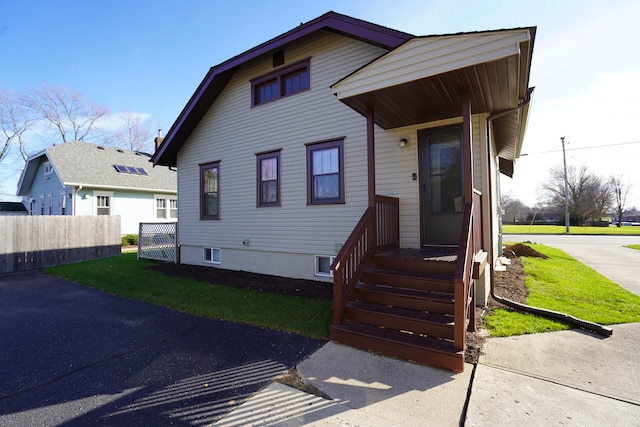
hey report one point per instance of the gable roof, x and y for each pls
(218, 76)
(493, 66)
(90, 165)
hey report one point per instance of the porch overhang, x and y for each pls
(423, 80)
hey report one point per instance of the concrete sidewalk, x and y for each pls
(568, 378)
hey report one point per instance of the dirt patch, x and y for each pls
(293, 379)
(246, 280)
(508, 284)
(520, 249)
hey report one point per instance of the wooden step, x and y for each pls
(433, 302)
(411, 280)
(433, 325)
(407, 346)
(438, 260)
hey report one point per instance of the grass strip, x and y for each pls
(126, 276)
(560, 229)
(563, 284)
(633, 247)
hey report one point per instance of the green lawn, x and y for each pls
(126, 276)
(633, 247)
(560, 229)
(563, 284)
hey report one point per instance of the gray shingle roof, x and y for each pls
(81, 163)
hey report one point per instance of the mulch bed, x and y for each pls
(246, 280)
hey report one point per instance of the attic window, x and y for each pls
(130, 170)
(286, 81)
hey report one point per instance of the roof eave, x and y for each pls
(219, 75)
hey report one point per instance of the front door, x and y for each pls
(441, 185)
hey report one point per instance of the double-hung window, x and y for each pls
(173, 208)
(325, 172)
(210, 191)
(103, 204)
(166, 208)
(161, 208)
(268, 179)
(283, 82)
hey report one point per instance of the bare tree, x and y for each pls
(620, 189)
(69, 112)
(136, 133)
(513, 209)
(589, 196)
(14, 122)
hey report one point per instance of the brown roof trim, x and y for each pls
(218, 76)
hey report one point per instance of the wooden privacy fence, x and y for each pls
(33, 242)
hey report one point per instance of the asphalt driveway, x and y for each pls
(71, 355)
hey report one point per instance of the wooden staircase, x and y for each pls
(403, 306)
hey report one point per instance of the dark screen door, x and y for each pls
(442, 199)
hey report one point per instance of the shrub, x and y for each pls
(130, 240)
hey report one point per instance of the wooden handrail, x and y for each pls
(377, 230)
(470, 243)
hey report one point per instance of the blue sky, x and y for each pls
(149, 57)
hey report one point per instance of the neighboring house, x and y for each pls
(12, 208)
(78, 178)
(346, 151)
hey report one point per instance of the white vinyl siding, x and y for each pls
(284, 240)
(287, 125)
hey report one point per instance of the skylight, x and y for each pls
(130, 170)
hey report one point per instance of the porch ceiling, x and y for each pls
(423, 80)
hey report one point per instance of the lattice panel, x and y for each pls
(158, 241)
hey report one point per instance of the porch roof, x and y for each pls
(422, 81)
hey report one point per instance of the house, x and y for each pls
(78, 178)
(12, 208)
(354, 153)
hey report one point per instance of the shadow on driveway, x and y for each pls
(71, 355)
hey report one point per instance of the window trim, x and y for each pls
(203, 167)
(168, 198)
(263, 156)
(96, 195)
(278, 75)
(211, 261)
(317, 265)
(323, 145)
(63, 203)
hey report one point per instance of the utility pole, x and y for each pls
(566, 188)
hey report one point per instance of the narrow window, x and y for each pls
(295, 81)
(173, 208)
(325, 172)
(41, 205)
(63, 204)
(161, 208)
(265, 92)
(210, 191)
(103, 204)
(268, 188)
(211, 255)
